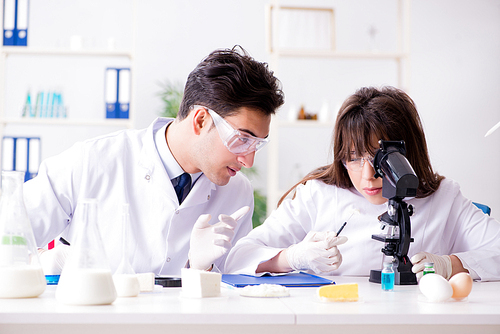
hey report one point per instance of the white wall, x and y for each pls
(455, 72)
(456, 84)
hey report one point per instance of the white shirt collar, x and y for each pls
(171, 165)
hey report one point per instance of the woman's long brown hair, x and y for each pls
(369, 115)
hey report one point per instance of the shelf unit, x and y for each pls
(12, 51)
(401, 59)
(85, 54)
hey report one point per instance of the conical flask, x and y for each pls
(86, 277)
(21, 274)
(125, 279)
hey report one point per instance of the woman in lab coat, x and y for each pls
(448, 229)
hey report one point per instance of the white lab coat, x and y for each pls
(125, 167)
(443, 223)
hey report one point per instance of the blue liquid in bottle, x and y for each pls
(387, 279)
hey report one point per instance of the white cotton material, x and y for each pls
(264, 290)
(200, 283)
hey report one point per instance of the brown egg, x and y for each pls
(461, 284)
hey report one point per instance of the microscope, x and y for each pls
(399, 181)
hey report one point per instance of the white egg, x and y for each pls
(435, 287)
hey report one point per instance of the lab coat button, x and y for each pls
(176, 212)
(208, 197)
(148, 177)
(168, 259)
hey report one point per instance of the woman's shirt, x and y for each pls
(444, 223)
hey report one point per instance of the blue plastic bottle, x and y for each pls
(387, 280)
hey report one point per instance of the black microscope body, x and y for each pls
(399, 182)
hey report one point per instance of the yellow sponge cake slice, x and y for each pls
(339, 292)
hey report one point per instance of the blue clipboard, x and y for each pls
(288, 280)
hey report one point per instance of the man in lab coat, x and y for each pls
(223, 120)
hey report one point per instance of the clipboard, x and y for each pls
(289, 280)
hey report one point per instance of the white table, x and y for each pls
(402, 310)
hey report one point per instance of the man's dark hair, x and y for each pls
(230, 79)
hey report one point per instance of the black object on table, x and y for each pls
(168, 282)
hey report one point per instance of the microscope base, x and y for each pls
(400, 278)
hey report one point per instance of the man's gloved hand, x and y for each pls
(210, 242)
(53, 260)
(442, 264)
(317, 252)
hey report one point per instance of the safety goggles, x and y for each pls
(237, 142)
(356, 164)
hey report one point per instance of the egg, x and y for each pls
(435, 287)
(461, 284)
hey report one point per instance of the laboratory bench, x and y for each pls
(166, 311)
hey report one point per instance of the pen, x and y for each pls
(355, 211)
(341, 228)
(63, 241)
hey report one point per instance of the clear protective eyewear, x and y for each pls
(357, 164)
(236, 141)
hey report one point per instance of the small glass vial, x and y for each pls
(387, 279)
(429, 268)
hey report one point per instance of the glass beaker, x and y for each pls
(86, 277)
(21, 274)
(125, 279)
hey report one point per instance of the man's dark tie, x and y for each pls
(183, 186)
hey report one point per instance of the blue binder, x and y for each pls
(22, 22)
(15, 22)
(288, 280)
(124, 92)
(21, 154)
(111, 94)
(117, 94)
(9, 22)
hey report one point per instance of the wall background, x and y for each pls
(455, 72)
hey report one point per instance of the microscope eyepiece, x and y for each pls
(390, 163)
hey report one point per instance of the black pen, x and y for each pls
(63, 241)
(341, 228)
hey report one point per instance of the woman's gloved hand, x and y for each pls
(442, 264)
(317, 252)
(210, 242)
(52, 261)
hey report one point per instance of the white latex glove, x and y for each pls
(442, 264)
(210, 242)
(317, 252)
(53, 260)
